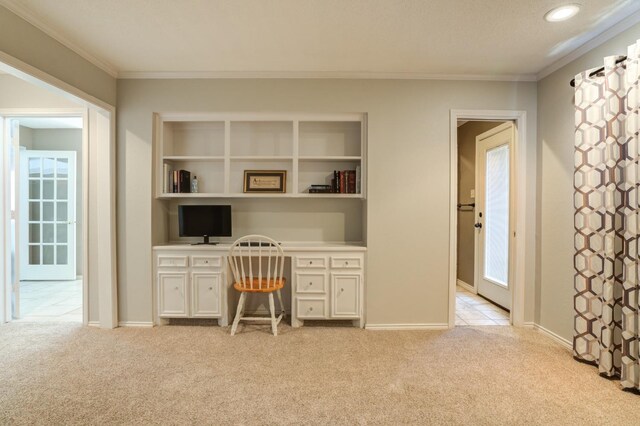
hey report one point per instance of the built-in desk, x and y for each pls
(326, 282)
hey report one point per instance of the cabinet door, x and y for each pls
(172, 289)
(345, 295)
(205, 294)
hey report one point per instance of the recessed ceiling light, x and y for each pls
(562, 13)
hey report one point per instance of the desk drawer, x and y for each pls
(346, 262)
(206, 261)
(172, 261)
(311, 282)
(312, 308)
(316, 262)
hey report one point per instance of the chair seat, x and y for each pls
(260, 286)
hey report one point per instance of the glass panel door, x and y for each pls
(49, 228)
(496, 250)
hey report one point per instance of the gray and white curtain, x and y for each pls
(607, 226)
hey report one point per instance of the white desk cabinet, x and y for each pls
(189, 284)
(327, 282)
(328, 285)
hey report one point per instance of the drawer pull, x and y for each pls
(176, 288)
(346, 263)
(210, 288)
(310, 282)
(311, 262)
(342, 289)
(311, 308)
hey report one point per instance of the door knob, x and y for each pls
(478, 225)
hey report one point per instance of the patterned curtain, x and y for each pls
(607, 228)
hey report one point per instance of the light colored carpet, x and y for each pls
(66, 374)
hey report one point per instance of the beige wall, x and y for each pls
(466, 182)
(554, 295)
(25, 42)
(15, 93)
(408, 200)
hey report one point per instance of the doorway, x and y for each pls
(483, 294)
(46, 217)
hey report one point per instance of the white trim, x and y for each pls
(520, 119)
(436, 326)
(33, 75)
(144, 324)
(528, 324)
(105, 174)
(362, 75)
(566, 344)
(466, 286)
(604, 36)
(25, 13)
(94, 324)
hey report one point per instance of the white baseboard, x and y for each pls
(443, 326)
(135, 324)
(93, 323)
(466, 286)
(529, 324)
(558, 339)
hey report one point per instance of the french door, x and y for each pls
(494, 218)
(48, 207)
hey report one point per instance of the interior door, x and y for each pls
(494, 216)
(47, 229)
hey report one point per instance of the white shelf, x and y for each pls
(308, 146)
(261, 158)
(191, 158)
(256, 195)
(330, 158)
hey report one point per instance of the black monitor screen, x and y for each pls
(200, 221)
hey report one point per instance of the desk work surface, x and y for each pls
(292, 246)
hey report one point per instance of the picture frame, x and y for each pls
(265, 181)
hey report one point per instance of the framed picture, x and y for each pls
(265, 181)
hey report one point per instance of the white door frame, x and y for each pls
(520, 185)
(102, 121)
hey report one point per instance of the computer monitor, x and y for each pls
(204, 221)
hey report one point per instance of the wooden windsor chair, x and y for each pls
(257, 264)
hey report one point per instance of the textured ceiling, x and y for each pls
(472, 37)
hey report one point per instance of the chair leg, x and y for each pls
(239, 310)
(272, 308)
(281, 304)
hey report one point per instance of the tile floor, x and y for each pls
(472, 309)
(51, 300)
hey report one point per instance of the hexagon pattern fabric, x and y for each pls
(606, 220)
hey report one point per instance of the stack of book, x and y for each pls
(176, 181)
(346, 181)
(320, 189)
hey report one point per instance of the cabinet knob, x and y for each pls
(311, 308)
(210, 288)
(310, 282)
(311, 262)
(176, 288)
(342, 289)
(346, 263)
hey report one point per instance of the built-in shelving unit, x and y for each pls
(218, 148)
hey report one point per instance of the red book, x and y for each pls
(351, 182)
(342, 182)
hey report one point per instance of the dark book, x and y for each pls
(320, 190)
(351, 181)
(336, 181)
(184, 185)
(320, 186)
(343, 186)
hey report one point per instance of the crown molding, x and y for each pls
(601, 38)
(318, 75)
(25, 13)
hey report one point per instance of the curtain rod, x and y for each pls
(572, 83)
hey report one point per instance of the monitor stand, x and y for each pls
(206, 241)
